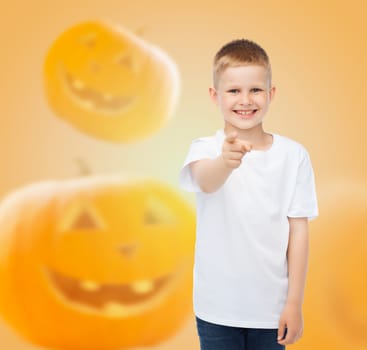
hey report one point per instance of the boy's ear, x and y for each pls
(213, 94)
(272, 93)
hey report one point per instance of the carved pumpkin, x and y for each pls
(110, 83)
(96, 262)
(335, 305)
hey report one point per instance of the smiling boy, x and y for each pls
(255, 194)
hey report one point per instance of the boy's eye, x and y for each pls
(256, 89)
(233, 90)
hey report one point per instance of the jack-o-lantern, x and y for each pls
(335, 305)
(110, 83)
(96, 262)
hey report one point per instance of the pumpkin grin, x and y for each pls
(94, 100)
(113, 299)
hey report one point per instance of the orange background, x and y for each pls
(317, 49)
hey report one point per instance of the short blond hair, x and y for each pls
(239, 52)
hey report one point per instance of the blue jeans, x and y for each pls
(217, 337)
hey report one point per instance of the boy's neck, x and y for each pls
(256, 136)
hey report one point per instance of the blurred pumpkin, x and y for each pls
(110, 83)
(96, 262)
(335, 305)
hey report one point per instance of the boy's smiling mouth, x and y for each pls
(245, 114)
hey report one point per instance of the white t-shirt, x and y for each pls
(242, 230)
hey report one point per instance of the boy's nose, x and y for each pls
(245, 99)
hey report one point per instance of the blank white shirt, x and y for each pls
(242, 230)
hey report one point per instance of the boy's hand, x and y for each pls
(290, 321)
(233, 150)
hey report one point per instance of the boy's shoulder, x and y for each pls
(291, 144)
(211, 141)
(216, 136)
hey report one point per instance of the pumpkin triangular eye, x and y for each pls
(81, 216)
(150, 218)
(157, 212)
(84, 221)
(89, 40)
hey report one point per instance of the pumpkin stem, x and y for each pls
(83, 166)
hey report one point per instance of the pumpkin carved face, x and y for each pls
(96, 263)
(109, 83)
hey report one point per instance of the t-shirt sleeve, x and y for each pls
(304, 201)
(200, 148)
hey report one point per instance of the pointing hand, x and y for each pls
(234, 149)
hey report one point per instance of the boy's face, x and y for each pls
(243, 95)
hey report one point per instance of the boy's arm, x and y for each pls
(297, 256)
(210, 174)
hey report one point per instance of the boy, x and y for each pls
(255, 193)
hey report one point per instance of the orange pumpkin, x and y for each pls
(335, 305)
(110, 83)
(96, 262)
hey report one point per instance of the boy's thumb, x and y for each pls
(281, 331)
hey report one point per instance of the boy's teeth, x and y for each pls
(244, 112)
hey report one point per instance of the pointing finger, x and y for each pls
(231, 137)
